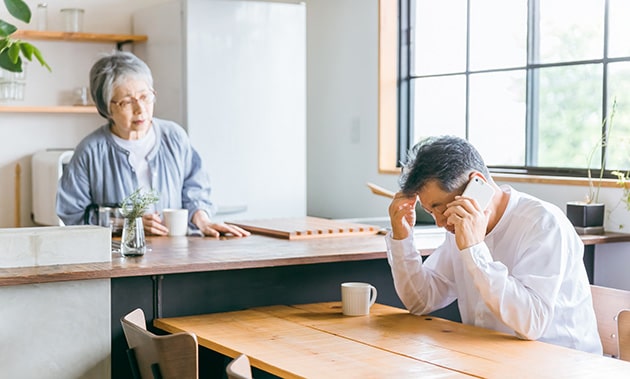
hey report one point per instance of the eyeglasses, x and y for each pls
(126, 103)
(440, 209)
(437, 210)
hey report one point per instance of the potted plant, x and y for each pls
(133, 242)
(588, 216)
(12, 50)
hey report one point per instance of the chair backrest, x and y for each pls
(623, 326)
(239, 368)
(172, 356)
(607, 303)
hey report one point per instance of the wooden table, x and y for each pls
(317, 341)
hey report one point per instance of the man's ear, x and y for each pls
(477, 174)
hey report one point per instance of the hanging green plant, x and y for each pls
(13, 50)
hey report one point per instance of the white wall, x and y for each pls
(342, 109)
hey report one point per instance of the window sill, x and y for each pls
(559, 180)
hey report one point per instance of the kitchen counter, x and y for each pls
(171, 255)
(37, 313)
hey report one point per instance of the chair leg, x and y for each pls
(131, 356)
(155, 369)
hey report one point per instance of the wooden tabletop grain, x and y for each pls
(316, 340)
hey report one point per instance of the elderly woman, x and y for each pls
(135, 150)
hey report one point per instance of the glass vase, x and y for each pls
(132, 241)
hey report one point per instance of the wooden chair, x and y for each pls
(623, 327)
(239, 368)
(172, 356)
(607, 303)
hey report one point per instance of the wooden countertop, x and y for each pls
(607, 237)
(172, 255)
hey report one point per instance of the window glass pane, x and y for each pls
(546, 115)
(498, 42)
(439, 107)
(569, 32)
(618, 155)
(440, 37)
(497, 117)
(569, 115)
(619, 28)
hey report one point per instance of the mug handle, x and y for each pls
(373, 294)
(90, 210)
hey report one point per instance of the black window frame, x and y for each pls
(405, 93)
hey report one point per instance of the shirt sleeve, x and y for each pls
(524, 298)
(423, 288)
(196, 187)
(73, 192)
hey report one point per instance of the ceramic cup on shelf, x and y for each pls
(176, 220)
(357, 298)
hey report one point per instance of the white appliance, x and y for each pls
(46, 168)
(233, 73)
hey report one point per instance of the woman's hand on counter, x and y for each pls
(153, 224)
(210, 229)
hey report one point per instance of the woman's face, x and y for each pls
(131, 109)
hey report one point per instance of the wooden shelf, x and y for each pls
(45, 35)
(79, 37)
(48, 109)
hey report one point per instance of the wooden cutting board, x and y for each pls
(305, 227)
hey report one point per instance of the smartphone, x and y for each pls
(480, 191)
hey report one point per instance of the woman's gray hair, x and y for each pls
(111, 70)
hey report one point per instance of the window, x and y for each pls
(530, 83)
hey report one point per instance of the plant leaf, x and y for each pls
(134, 205)
(8, 64)
(27, 50)
(6, 29)
(14, 51)
(39, 56)
(18, 9)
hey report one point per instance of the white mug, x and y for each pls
(357, 298)
(176, 220)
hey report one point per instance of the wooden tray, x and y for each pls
(305, 227)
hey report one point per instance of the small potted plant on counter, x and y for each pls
(588, 216)
(133, 242)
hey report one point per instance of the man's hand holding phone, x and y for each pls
(467, 213)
